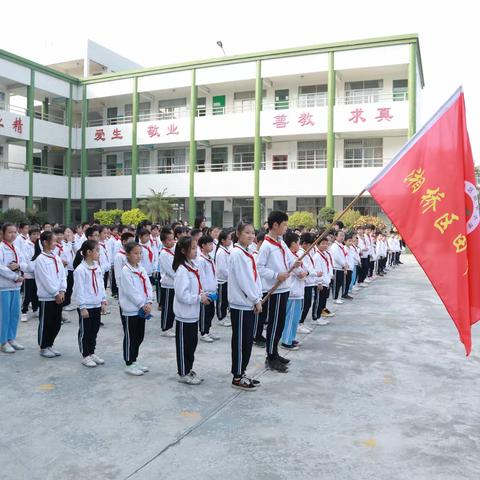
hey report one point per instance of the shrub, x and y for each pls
(133, 217)
(301, 218)
(369, 220)
(350, 217)
(326, 215)
(13, 215)
(108, 217)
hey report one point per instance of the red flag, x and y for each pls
(428, 191)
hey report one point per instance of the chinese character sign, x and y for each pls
(428, 191)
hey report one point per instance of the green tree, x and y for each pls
(157, 206)
(108, 217)
(35, 217)
(350, 217)
(301, 218)
(326, 215)
(133, 217)
(14, 215)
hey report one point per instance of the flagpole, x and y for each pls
(316, 242)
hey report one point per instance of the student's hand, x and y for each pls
(104, 308)
(147, 308)
(65, 263)
(19, 279)
(204, 299)
(258, 307)
(13, 266)
(302, 274)
(84, 313)
(281, 277)
(60, 298)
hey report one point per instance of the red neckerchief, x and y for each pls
(141, 277)
(250, 256)
(325, 258)
(105, 248)
(224, 249)
(210, 261)
(116, 237)
(60, 249)
(122, 252)
(94, 280)
(24, 237)
(195, 272)
(53, 258)
(345, 253)
(150, 253)
(168, 251)
(12, 248)
(271, 240)
(154, 240)
(311, 259)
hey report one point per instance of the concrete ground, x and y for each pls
(383, 392)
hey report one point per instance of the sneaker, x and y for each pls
(189, 379)
(283, 360)
(47, 353)
(262, 342)
(338, 302)
(255, 382)
(133, 370)
(367, 280)
(363, 285)
(288, 347)
(143, 368)
(275, 364)
(7, 348)
(16, 345)
(195, 375)
(327, 313)
(243, 383)
(225, 322)
(102, 324)
(297, 343)
(24, 317)
(213, 336)
(355, 288)
(55, 352)
(70, 308)
(36, 314)
(97, 359)
(89, 362)
(65, 320)
(303, 329)
(206, 338)
(322, 321)
(348, 297)
(168, 333)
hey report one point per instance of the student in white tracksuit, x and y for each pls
(222, 257)
(245, 299)
(167, 292)
(186, 305)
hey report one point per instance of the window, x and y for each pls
(111, 164)
(127, 163)
(366, 152)
(243, 156)
(363, 91)
(172, 108)
(219, 159)
(2, 100)
(312, 96)
(280, 205)
(400, 90)
(1, 152)
(144, 165)
(172, 160)
(201, 160)
(127, 204)
(310, 204)
(312, 154)
(110, 205)
(112, 114)
(200, 207)
(201, 107)
(245, 101)
(143, 111)
(365, 205)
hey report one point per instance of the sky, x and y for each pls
(163, 32)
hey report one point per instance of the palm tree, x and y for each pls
(157, 206)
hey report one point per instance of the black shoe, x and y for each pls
(295, 342)
(255, 382)
(260, 343)
(275, 364)
(326, 310)
(102, 324)
(348, 297)
(283, 360)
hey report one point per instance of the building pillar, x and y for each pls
(193, 151)
(68, 158)
(412, 91)
(134, 142)
(29, 149)
(84, 156)
(257, 148)
(330, 129)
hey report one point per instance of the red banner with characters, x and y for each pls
(429, 192)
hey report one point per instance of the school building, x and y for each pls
(233, 137)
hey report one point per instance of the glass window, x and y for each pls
(111, 165)
(127, 163)
(201, 160)
(245, 101)
(172, 160)
(172, 108)
(363, 91)
(366, 152)
(312, 154)
(310, 204)
(144, 165)
(400, 90)
(219, 159)
(312, 96)
(365, 205)
(201, 106)
(280, 205)
(243, 156)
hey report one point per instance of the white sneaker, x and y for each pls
(356, 288)
(168, 333)
(190, 379)
(303, 329)
(213, 336)
(143, 368)
(70, 308)
(88, 362)
(16, 345)
(55, 352)
(321, 322)
(206, 338)
(7, 348)
(338, 302)
(47, 353)
(97, 359)
(363, 285)
(133, 370)
(24, 317)
(225, 322)
(367, 280)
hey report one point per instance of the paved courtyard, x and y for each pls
(384, 392)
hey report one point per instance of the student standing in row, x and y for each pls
(167, 292)
(340, 265)
(222, 257)
(30, 287)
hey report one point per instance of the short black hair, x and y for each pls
(22, 225)
(59, 230)
(142, 232)
(33, 230)
(204, 239)
(276, 217)
(125, 236)
(260, 236)
(306, 238)
(179, 230)
(130, 246)
(340, 224)
(164, 233)
(195, 231)
(290, 237)
(90, 231)
(180, 257)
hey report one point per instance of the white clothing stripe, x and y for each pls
(239, 343)
(182, 351)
